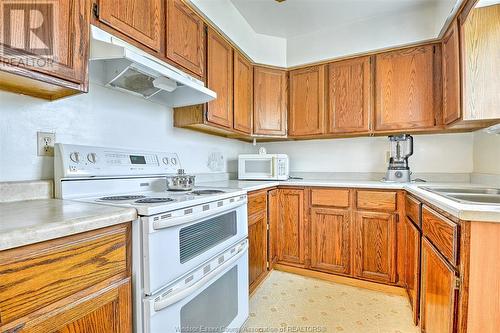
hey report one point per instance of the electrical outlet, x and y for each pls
(45, 143)
(387, 156)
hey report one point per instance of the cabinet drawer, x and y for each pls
(413, 209)
(38, 275)
(376, 200)
(442, 232)
(257, 202)
(330, 197)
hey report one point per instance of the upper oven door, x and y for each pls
(257, 167)
(174, 245)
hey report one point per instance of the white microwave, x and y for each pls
(263, 167)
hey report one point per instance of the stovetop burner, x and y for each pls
(122, 197)
(204, 192)
(154, 200)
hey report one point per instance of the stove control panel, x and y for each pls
(88, 161)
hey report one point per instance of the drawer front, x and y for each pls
(376, 200)
(413, 209)
(38, 275)
(442, 232)
(330, 197)
(257, 202)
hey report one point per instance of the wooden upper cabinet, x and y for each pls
(438, 293)
(243, 94)
(406, 93)
(307, 101)
(140, 20)
(270, 101)
(60, 47)
(291, 229)
(185, 37)
(220, 80)
(451, 75)
(350, 95)
(374, 246)
(330, 240)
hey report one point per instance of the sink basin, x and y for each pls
(468, 195)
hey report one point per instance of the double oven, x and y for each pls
(194, 268)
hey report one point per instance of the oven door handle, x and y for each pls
(180, 295)
(162, 224)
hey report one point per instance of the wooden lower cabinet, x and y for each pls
(291, 236)
(374, 246)
(79, 283)
(412, 267)
(330, 240)
(257, 240)
(438, 292)
(273, 214)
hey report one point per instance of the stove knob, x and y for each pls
(75, 157)
(92, 158)
(165, 161)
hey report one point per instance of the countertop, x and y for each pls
(32, 221)
(467, 212)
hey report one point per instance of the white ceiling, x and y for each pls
(299, 17)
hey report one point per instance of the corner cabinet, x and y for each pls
(270, 101)
(307, 101)
(451, 75)
(407, 89)
(185, 37)
(140, 20)
(220, 80)
(243, 94)
(80, 283)
(350, 96)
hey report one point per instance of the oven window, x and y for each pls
(215, 307)
(258, 166)
(199, 237)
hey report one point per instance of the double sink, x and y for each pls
(468, 195)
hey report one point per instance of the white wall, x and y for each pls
(262, 49)
(443, 153)
(486, 153)
(103, 117)
(363, 36)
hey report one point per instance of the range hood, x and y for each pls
(117, 64)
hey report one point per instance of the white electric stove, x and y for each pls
(189, 249)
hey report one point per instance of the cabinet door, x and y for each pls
(58, 48)
(451, 76)
(220, 80)
(185, 37)
(375, 246)
(140, 20)
(349, 96)
(405, 89)
(257, 254)
(270, 101)
(307, 101)
(273, 214)
(330, 240)
(291, 230)
(412, 266)
(438, 293)
(243, 94)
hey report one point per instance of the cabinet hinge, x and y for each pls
(457, 283)
(267, 265)
(267, 225)
(95, 10)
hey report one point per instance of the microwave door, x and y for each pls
(259, 168)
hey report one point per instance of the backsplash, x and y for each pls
(103, 117)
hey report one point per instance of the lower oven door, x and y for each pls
(181, 243)
(213, 301)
